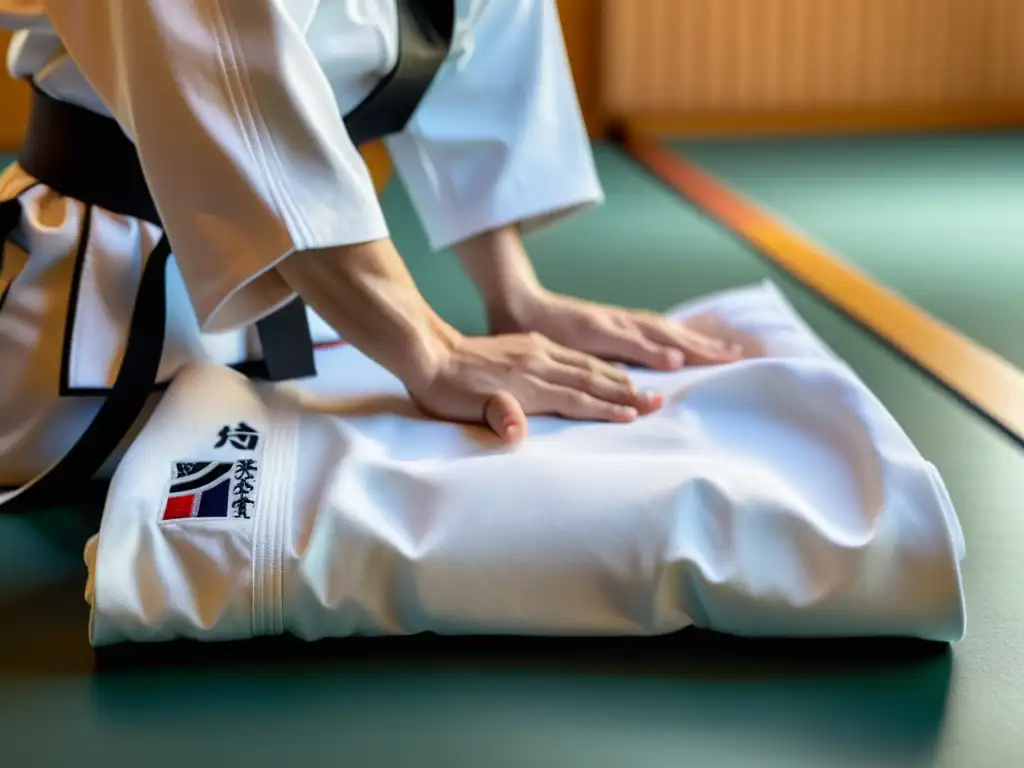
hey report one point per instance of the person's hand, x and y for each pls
(365, 293)
(500, 380)
(613, 333)
(516, 302)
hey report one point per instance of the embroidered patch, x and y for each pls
(205, 490)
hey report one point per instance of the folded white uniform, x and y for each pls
(775, 496)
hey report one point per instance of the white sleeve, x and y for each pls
(239, 134)
(499, 138)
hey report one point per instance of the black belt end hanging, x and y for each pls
(287, 343)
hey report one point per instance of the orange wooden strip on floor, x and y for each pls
(986, 381)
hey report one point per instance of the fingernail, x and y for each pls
(651, 396)
(674, 357)
(510, 427)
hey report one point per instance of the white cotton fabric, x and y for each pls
(775, 496)
(236, 107)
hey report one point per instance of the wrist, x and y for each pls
(428, 352)
(366, 294)
(498, 264)
(513, 310)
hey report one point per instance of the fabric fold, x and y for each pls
(771, 497)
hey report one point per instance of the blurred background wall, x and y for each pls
(754, 66)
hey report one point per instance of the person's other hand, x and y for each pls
(500, 380)
(613, 333)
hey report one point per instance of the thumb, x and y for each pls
(505, 416)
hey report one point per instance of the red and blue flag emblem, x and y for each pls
(211, 490)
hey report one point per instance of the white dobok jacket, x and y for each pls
(775, 496)
(235, 107)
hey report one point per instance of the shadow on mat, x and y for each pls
(688, 652)
(397, 700)
(876, 700)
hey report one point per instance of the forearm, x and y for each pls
(499, 266)
(367, 295)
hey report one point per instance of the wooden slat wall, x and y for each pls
(581, 28)
(742, 56)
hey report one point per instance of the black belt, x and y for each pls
(87, 157)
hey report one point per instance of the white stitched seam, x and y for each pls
(265, 139)
(234, 75)
(286, 428)
(228, 82)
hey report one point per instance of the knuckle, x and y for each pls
(536, 340)
(580, 401)
(619, 376)
(580, 381)
(593, 383)
(625, 390)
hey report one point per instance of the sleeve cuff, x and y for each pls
(251, 288)
(529, 209)
(530, 201)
